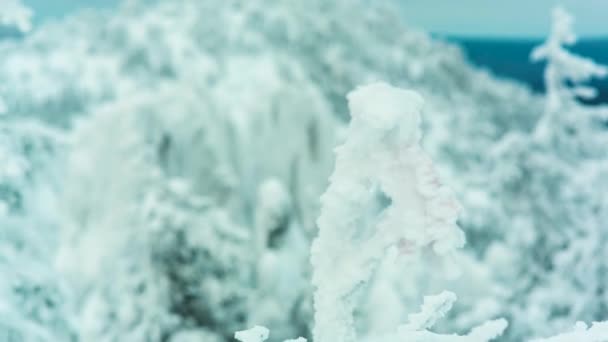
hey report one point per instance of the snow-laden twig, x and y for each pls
(259, 334)
(255, 334)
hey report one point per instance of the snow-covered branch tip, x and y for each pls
(258, 334)
(384, 193)
(433, 309)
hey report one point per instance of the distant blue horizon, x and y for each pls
(509, 58)
(503, 19)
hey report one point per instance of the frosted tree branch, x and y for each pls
(433, 309)
(384, 192)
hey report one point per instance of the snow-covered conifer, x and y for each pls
(384, 193)
(565, 71)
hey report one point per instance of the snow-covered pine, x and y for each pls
(14, 13)
(384, 193)
(565, 72)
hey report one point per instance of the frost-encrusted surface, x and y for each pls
(383, 192)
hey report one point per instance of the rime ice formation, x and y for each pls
(565, 71)
(383, 191)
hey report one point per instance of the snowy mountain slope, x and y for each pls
(200, 137)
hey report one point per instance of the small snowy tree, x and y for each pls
(549, 202)
(565, 71)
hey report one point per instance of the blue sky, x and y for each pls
(504, 18)
(495, 18)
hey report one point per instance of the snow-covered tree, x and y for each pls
(382, 183)
(384, 193)
(548, 209)
(565, 71)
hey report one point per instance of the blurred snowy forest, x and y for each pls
(162, 166)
